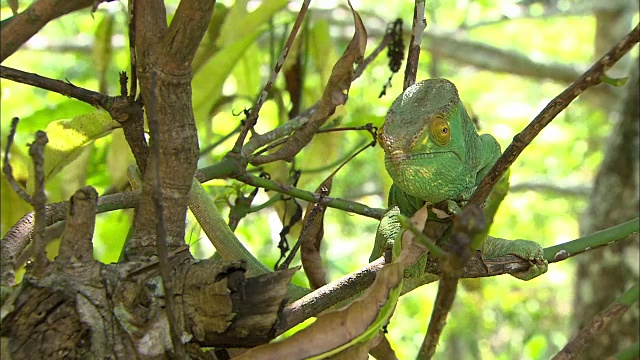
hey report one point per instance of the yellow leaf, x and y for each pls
(67, 139)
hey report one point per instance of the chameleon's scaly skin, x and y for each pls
(433, 153)
(417, 163)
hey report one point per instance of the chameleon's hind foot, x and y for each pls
(532, 252)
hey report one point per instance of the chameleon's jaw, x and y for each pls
(432, 177)
(399, 157)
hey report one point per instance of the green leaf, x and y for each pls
(207, 83)
(238, 32)
(240, 24)
(67, 138)
(208, 45)
(43, 116)
(322, 49)
(119, 158)
(102, 45)
(217, 20)
(617, 82)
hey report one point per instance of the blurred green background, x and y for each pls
(493, 318)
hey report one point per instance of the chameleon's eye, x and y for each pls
(439, 129)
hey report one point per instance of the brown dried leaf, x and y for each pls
(440, 214)
(335, 93)
(293, 72)
(412, 250)
(383, 350)
(311, 238)
(337, 328)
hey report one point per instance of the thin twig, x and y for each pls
(258, 141)
(320, 206)
(253, 115)
(413, 56)
(64, 88)
(335, 163)
(465, 225)
(447, 289)
(590, 78)
(368, 127)
(132, 50)
(36, 151)
(316, 209)
(8, 169)
(346, 205)
(386, 39)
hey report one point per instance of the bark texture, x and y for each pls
(604, 274)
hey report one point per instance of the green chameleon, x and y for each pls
(433, 154)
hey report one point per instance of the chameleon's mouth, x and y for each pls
(399, 156)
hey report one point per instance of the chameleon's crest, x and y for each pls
(432, 99)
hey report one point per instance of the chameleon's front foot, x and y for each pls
(526, 249)
(532, 252)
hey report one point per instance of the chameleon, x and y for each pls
(434, 153)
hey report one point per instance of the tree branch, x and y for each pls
(36, 151)
(76, 245)
(18, 237)
(290, 126)
(20, 28)
(151, 26)
(590, 78)
(342, 204)
(485, 56)
(540, 186)
(413, 55)
(64, 88)
(599, 323)
(351, 285)
(252, 118)
(188, 25)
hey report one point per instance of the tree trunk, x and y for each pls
(604, 274)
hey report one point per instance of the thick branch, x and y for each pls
(151, 23)
(20, 28)
(187, 28)
(165, 80)
(76, 246)
(18, 237)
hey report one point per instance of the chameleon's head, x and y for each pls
(425, 139)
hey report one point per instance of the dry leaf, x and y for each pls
(338, 331)
(311, 238)
(440, 214)
(335, 93)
